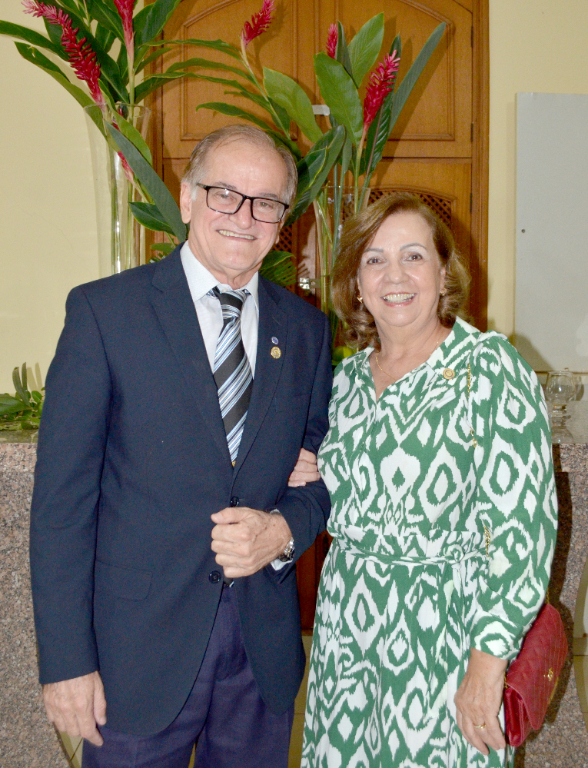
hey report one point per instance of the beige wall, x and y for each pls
(47, 216)
(535, 45)
(48, 228)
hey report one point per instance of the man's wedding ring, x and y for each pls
(480, 726)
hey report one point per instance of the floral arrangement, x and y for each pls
(107, 46)
(83, 34)
(359, 131)
(359, 127)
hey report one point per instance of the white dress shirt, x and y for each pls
(210, 314)
(209, 311)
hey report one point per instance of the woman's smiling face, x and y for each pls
(400, 275)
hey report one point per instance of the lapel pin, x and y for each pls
(448, 373)
(274, 340)
(276, 352)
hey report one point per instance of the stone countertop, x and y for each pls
(570, 440)
(26, 738)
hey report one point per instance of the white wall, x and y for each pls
(535, 46)
(47, 216)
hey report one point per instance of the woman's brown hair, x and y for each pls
(358, 232)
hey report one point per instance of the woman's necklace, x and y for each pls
(389, 375)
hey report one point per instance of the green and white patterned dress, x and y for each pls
(407, 587)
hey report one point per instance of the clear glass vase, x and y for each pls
(332, 206)
(121, 239)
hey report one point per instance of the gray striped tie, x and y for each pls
(232, 372)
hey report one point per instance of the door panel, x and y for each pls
(280, 48)
(437, 118)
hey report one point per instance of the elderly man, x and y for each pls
(164, 532)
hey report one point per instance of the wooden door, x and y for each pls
(437, 150)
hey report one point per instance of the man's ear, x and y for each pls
(186, 203)
(280, 225)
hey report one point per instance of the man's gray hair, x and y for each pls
(196, 167)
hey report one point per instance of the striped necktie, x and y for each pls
(231, 369)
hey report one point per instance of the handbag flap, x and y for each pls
(535, 671)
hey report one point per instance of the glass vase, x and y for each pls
(332, 206)
(121, 239)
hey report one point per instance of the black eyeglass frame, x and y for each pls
(206, 187)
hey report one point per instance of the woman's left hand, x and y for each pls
(478, 701)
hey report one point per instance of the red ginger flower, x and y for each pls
(379, 86)
(125, 11)
(80, 54)
(332, 39)
(260, 22)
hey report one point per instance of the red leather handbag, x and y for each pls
(532, 677)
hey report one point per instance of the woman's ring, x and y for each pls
(480, 726)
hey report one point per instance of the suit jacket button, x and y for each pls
(214, 577)
(234, 501)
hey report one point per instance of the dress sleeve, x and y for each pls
(515, 498)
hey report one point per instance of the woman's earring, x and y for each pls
(360, 298)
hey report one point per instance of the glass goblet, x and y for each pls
(560, 388)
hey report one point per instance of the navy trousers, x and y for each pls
(224, 712)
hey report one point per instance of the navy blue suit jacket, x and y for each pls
(133, 460)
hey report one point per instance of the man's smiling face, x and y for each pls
(232, 246)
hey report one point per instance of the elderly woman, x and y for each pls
(438, 462)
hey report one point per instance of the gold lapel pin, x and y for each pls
(448, 373)
(276, 352)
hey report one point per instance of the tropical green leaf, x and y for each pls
(40, 60)
(346, 156)
(10, 405)
(150, 216)
(280, 116)
(149, 85)
(164, 248)
(18, 386)
(149, 25)
(342, 52)
(314, 169)
(405, 88)
(365, 47)
(155, 187)
(290, 96)
(379, 130)
(217, 45)
(128, 129)
(30, 36)
(233, 111)
(257, 98)
(53, 32)
(340, 94)
(141, 63)
(106, 15)
(279, 267)
(69, 4)
(207, 64)
(123, 63)
(105, 37)
(24, 377)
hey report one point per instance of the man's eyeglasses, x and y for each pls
(228, 201)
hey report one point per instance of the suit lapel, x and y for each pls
(273, 323)
(173, 304)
